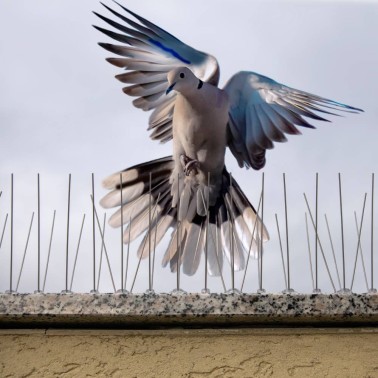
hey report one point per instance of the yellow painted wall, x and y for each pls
(190, 353)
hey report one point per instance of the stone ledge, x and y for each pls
(188, 310)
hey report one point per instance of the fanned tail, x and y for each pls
(229, 228)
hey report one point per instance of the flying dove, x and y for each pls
(191, 191)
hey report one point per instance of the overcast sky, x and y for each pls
(61, 112)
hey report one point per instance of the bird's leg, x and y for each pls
(189, 165)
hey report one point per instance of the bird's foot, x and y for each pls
(189, 165)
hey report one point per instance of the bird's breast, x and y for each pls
(198, 121)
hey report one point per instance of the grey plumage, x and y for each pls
(251, 113)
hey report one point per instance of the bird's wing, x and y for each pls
(148, 53)
(262, 111)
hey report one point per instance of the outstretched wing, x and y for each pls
(148, 53)
(262, 111)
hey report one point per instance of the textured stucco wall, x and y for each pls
(294, 352)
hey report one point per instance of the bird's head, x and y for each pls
(182, 80)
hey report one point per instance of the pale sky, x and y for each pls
(61, 111)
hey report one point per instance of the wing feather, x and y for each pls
(262, 111)
(148, 53)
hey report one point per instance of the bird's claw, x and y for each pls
(189, 165)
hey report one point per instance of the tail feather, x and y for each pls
(237, 233)
(140, 173)
(142, 222)
(158, 233)
(129, 211)
(133, 208)
(129, 193)
(234, 228)
(193, 245)
(214, 251)
(174, 254)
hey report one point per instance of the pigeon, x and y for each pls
(191, 193)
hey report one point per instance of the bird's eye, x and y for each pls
(182, 75)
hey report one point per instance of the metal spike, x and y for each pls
(154, 254)
(101, 255)
(150, 291)
(231, 229)
(66, 291)
(260, 255)
(282, 256)
(344, 289)
(320, 245)
(178, 290)
(317, 290)
(127, 258)
(289, 290)
(361, 253)
(77, 253)
(26, 248)
(39, 238)
(121, 290)
(372, 290)
(309, 254)
(2, 234)
(333, 252)
(206, 290)
(359, 241)
(11, 243)
(103, 241)
(93, 291)
(49, 252)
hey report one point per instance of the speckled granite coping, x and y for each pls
(188, 310)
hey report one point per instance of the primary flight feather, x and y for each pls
(192, 188)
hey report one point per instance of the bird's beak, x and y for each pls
(169, 89)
